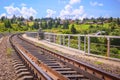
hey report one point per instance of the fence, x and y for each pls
(95, 44)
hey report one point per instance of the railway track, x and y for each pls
(47, 65)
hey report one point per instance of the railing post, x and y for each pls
(54, 38)
(45, 36)
(49, 37)
(63, 40)
(79, 41)
(85, 44)
(108, 47)
(68, 40)
(88, 44)
(60, 40)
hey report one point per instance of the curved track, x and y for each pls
(47, 65)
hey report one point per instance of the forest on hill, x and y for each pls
(110, 26)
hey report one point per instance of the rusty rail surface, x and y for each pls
(85, 69)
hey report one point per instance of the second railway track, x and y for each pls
(47, 65)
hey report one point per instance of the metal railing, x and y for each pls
(85, 42)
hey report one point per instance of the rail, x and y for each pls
(84, 67)
(37, 70)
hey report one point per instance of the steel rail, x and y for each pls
(37, 70)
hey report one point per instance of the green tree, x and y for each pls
(3, 18)
(50, 24)
(118, 21)
(36, 25)
(110, 19)
(31, 18)
(66, 25)
(7, 23)
(14, 18)
(73, 29)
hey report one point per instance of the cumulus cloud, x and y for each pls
(23, 11)
(69, 12)
(27, 12)
(50, 13)
(74, 1)
(96, 4)
(78, 11)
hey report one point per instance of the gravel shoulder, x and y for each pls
(7, 71)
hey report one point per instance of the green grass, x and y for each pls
(98, 62)
(9, 51)
(31, 23)
(82, 27)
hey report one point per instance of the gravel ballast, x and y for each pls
(7, 71)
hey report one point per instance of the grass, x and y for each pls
(30, 23)
(98, 62)
(82, 27)
(9, 51)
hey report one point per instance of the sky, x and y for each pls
(71, 9)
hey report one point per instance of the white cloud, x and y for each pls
(50, 13)
(96, 4)
(27, 12)
(12, 10)
(24, 11)
(69, 12)
(78, 11)
(74, 1)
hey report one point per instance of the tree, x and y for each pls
(73, 29)
(118, 21)
(3, 18)
(110, 19)
(44, 25)
(31, 18)
(112, 25)
(7, 24)
(66, 25)
(14, 18)
(91, 26)
(49, 23)
(36, 25)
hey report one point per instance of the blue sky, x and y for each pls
(60, 8)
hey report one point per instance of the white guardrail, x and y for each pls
(52, 37)
(84, 43)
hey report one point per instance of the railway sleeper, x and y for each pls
(20, 67)
(62, 69)
(25, 73)
(22, 70)
(19, 64)
(53, 64)
(49, 61)
(67, 72)
(26, 78)
(75, 76)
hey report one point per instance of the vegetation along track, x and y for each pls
(47, 65)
